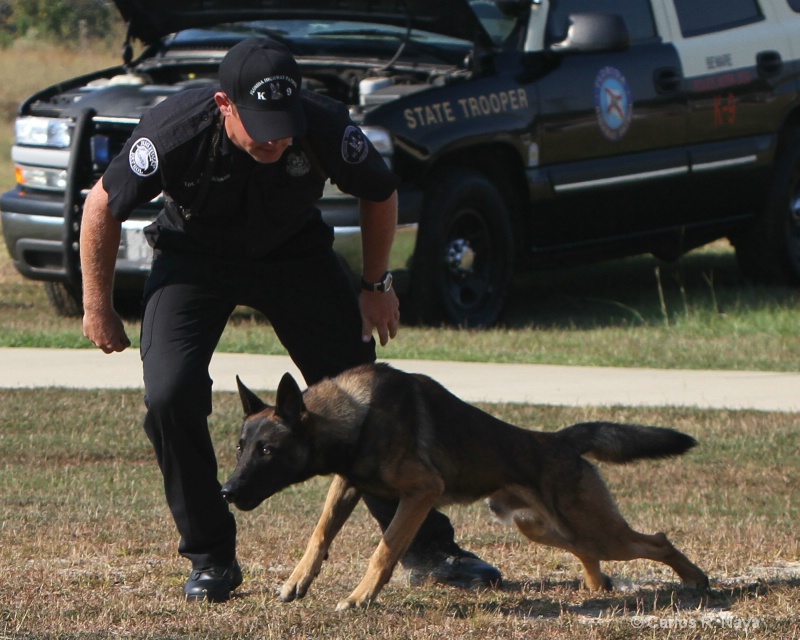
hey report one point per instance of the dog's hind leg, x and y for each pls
(599, 532)
(595, 579)
(538, 529)
(411, 512)
(658, 547)
(523, 508)
(628, 544)
(339, 504)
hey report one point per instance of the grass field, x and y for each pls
(88, 547)
(607, 315)
(88, 550)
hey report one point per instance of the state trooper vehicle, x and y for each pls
(524, 133)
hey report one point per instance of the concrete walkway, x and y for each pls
(474, 382)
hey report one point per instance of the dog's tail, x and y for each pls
(621, 443)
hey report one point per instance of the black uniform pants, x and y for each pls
(309, 300)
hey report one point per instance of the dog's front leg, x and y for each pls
(410, 514)
(342, 499)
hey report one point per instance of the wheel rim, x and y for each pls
(470, 261)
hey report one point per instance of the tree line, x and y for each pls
(69, 22)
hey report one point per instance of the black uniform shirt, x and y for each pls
(246, 208)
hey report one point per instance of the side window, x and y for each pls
(697, 18)
(637, 14)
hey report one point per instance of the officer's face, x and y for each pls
(263, 152)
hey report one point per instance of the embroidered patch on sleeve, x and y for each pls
(354, 145)
(143, 158)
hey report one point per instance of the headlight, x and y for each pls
(381, 139)
(43, 132)
(41, 178)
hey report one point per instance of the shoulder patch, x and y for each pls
(143, 158)
(354, 145)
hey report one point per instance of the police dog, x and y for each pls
(398, 435)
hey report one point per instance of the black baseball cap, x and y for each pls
(262, 78)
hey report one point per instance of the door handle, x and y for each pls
(667, 80)
(769, 63)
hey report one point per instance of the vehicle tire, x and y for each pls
(769, 250)
(65, 299)
(464, 258)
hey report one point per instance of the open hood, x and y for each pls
(149, 20)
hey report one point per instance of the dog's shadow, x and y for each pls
(554, 599)
(550, 600)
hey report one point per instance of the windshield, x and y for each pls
(300, 31)
(496, 23)
(334, 38)
(306, 32)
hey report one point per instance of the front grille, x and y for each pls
(107, 140)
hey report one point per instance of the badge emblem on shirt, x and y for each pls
(297, 164)
(354, 145)
(143, 158)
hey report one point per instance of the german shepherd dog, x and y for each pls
(398, 435)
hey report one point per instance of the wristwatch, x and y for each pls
(384, 284)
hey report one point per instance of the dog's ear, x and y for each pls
(251, 403)
(289, 403)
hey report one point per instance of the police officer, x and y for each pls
(241, 168)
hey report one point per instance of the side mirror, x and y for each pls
(594, 32)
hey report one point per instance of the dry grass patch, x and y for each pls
(88, 548)
(29, 67)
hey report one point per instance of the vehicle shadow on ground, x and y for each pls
(638, 291)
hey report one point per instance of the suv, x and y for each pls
(524, 133)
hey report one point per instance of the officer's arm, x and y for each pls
(379, 310)
(99, 243)
(378, 223)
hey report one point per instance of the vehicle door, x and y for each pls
(741, 77)
(612, 129)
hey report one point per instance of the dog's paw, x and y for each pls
(600, 582)
(294, 589)
(349, 603)
(300, 581)
(288, 593)
(699, 583)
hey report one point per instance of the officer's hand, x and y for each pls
(379, 310)
(106, 331)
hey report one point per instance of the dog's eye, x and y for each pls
(267, 450)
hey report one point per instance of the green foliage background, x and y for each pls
(71, 22)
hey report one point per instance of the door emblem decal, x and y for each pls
(613, 103)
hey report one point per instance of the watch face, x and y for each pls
(387, 281)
